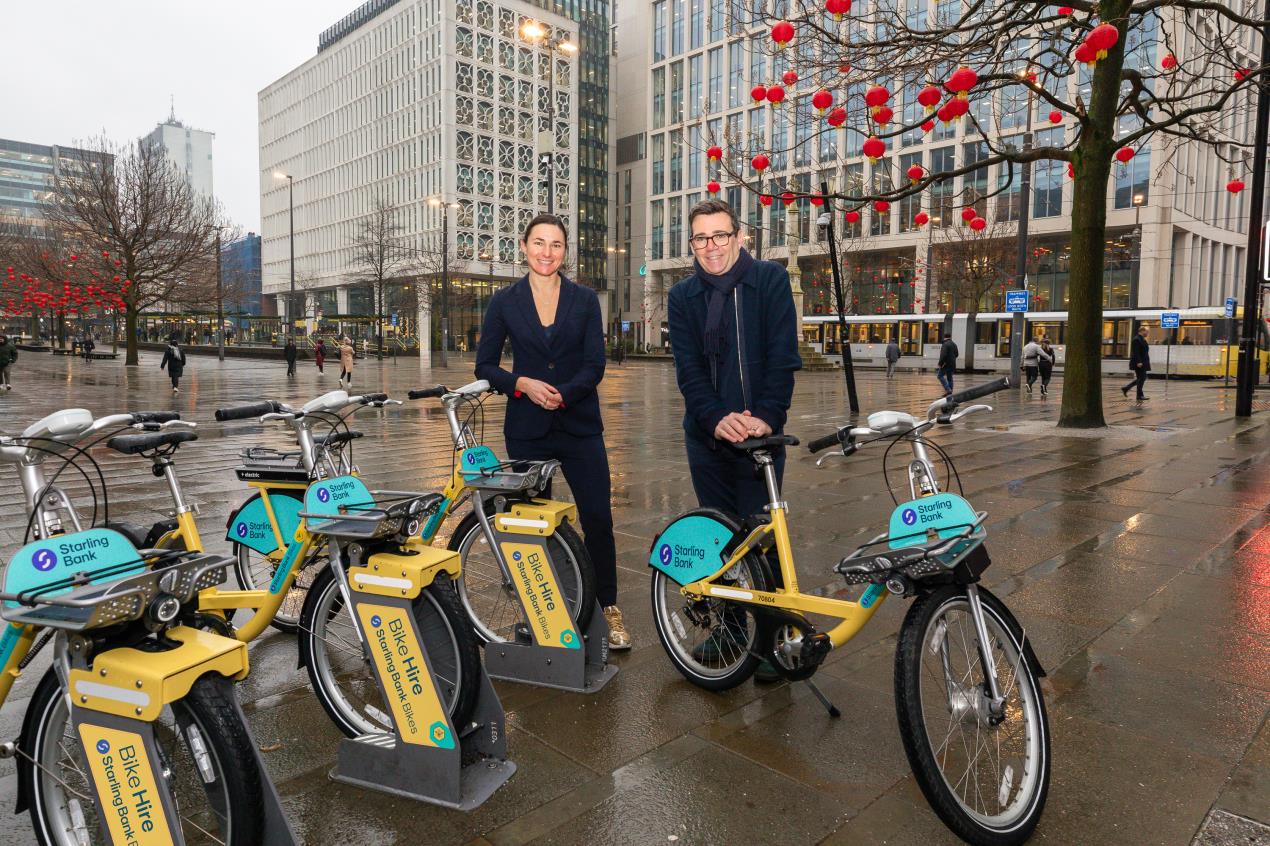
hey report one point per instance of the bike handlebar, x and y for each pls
(155, 416)
(369, 398)
(425, 393)
(954, 400)
(246, 412)
(825, 442)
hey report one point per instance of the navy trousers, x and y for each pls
(727, 479)
(585, 462)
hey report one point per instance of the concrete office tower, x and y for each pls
(1175, 236)
(188, 149)
(435, 108)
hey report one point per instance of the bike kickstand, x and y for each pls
(824, 700)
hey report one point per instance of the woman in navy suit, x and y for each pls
(553, 411)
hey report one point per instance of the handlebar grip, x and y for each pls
(246, 412)
(374, 397)
(155, 416)
(424, 393)
(976, 392)
(824, 443)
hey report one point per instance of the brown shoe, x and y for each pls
(619, 638)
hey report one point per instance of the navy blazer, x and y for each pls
(572, 361)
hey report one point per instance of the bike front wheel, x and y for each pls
(986, 776)
(342, 674)
(203, 743)
(491, 600)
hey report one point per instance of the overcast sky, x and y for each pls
(75, 69)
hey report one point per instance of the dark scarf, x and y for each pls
(719, 287)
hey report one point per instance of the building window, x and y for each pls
(676, 160)
(694, 157)
(676, 27)
(736, 74)
(676, 227)
(758, 61)
(463, 41)
(659, 224)
(659, 98)
(714, 64)
(658, 157)
(1133, 181)
(676, 92)
(1047, 176)
(659, 30)
(694, 86)
(1008, 179)
(697, 31)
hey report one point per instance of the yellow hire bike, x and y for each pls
(332, 646)
(509, 494)
(967, 694)
(134, 734)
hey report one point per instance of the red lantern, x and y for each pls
(837, 8)
(876, 96)
(758, 93)
(928, 126)
(844, 68)
(837, 117)
(1124, 154)
(961, 81)
(714, 154)
(882, 206)
(822, 100)
(929, 97)
(968, 214)
(765, 200)
(760, 162)
(945, 114)
(916, 173)
(1065, 10)
(1169, 62)
(1085, 54)
(712, 187)
(958, 107)
(1241, 75)
(1056, 116)
(1071, 170)
(1234, 186)
(775, 95)
(883, 115)
(788, 199)
(978, 224)
(790, 77)
(1103, 38)
(873, 148)
(921, 218)
(853, 217)
(817, 200)
(782, 33)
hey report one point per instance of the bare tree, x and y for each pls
(128, 203)
(1115, 75)
(971, 264)
(381, 257)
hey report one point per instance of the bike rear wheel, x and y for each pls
(214, 775)
(987, 782)
(342, 674)
(490, 599)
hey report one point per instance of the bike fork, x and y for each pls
(985, 649)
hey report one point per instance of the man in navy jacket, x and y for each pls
(736, 376)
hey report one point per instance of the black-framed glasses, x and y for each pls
(720, 239)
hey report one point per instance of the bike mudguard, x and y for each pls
(328, 496)
(692, 547)
(98, 555)
(249, 525)
(947, 514)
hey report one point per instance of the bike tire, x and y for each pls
(731, 632)
(234, 815)
(935, 624)
(346, 684)
(255, 571)
(493, 618)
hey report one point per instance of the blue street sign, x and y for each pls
(626, 326)
(394, 318)
(1230, 306)
(1016, 301)
(1170, 320)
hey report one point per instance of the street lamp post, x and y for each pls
(536, 33)
(220, 304)
(291, 225)
(437, 202)
(930, 246)
(1020, 273)
(618, 331)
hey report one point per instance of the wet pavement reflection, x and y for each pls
(1138, 561)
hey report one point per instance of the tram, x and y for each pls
(1205, 344)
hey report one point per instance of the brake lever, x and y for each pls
(186, 424)
(835, 454)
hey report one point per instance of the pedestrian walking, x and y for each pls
(319, 355)
(289, 352)
(8, 355)
(553, 410)
(1139, 363)
(1046, 364)
(733, 331)
(174, 362)
(892, 357)
(1033, 355)
(947, 364)
(87, 346)
(346, 362)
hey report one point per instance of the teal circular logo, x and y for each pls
(44, 560)
(909, 516)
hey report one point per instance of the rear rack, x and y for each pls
(869, 565)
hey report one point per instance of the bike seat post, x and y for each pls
(921, 481)
(764, 460)
(165, 466)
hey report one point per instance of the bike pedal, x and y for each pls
(522, 634)
(815, 648)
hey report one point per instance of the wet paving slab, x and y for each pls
(1139, 565)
